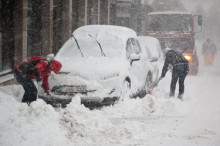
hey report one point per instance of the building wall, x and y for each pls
(34, 39)
(20, 30)
(8, 44)
(103, 12)
(57, 25)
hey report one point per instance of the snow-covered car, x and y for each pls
(102, 64)
(153, 49)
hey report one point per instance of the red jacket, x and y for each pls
(43, 71)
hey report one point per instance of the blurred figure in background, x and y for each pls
(209, 51)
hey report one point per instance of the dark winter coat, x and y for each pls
(38, 68)
(175, 59)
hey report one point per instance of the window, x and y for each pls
(136, 46)
(129, 48)
(132, 46)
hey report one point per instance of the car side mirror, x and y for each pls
(154, 59)
(134, 57)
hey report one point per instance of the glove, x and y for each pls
(162, 76)
(40, 83)
(48, 94)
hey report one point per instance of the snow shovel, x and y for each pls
(150, 90)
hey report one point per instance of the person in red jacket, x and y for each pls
(38, 68)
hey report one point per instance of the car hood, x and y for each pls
(94, 68)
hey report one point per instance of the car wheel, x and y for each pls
(125, 90)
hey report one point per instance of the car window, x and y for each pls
(136, 46)
(132, 46)
(129, 48)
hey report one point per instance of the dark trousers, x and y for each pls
(30, 89)
(179, 72)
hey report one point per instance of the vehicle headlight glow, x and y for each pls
(188, 57)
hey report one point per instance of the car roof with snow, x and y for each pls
(104, 32)
(152, 44)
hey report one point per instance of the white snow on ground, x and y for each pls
(154, 120)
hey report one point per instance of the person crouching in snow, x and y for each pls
(38, 68)
(180, 70)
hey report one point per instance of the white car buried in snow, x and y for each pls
(102, 64)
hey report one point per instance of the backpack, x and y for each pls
(180, 58)
(27, 66)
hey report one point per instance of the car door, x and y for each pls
(138, 65)
(154, 65)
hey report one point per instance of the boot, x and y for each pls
(180, 96)
(172, 94)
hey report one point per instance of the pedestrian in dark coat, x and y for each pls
(38, 68)
(180, 70)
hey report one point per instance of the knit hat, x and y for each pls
(167, 50)
(50, 57)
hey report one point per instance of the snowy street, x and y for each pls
(192, 122)
(104, 73)
(153, 120)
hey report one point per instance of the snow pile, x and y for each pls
(131, 107)
(171, 106)
(16, 91)
(122, 124)
(41, 124)
(90, 127)
(24, 125)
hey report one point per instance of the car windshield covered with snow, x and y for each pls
(163, 22)
(96, 42)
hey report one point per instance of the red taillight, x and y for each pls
(188, 57)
